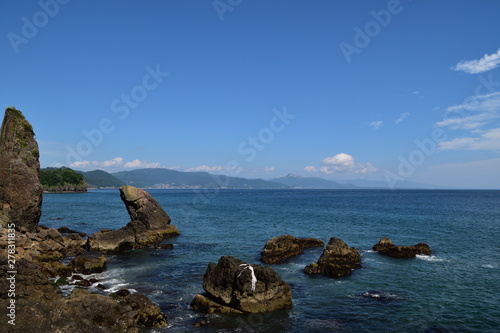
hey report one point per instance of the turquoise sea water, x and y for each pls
(456, 289)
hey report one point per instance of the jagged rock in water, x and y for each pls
(278, 249)
(20, 186)
(142, 207)
(149, 226)
(337, 260)
(385, 246)
(234, 286)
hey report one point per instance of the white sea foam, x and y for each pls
(488, 266)
(430, 258)
(114, 288)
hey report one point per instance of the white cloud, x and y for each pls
(341, 163)
(217, 169)
(310, 168)
(269, 169)
(327, 170)
(488, 140)
(477, 116)
(376, 124)
(486, 63)
(482, 103)
(402, 117)
(141, 164)
(80, 164)
(117, 161)
(113, 162)
(366, 168)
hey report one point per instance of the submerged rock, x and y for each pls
(337, 260)
(385, 246)
(20, 186)
(278, 249)
(149, 226)
(234, 286)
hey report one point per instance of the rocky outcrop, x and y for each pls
(278, 249)
(38, 256)
(45, 245)
(142, 207)
(88, 263)
(149, 226)
(233, 286)
(20, 187)
(47, 311)
(337, 260)
(385, 246)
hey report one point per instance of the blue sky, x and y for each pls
(387, 90)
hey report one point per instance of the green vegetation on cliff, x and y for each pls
(62, 180)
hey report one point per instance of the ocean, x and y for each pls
(456, 289)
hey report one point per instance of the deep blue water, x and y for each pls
(454, 290)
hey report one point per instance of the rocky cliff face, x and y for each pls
(20, 187)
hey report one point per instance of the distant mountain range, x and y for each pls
(294, 181)
(101, 179)
(166, 178)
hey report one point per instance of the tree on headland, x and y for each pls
(62, 180)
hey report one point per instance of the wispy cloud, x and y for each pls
(341, 163)
(136, 164)
(376, 124)
(218, 169)
(488, 140)
(477, 112)
(269, 169)
(402, 117)
(311, 168)
(479, 117)
(486, 63)
(113, 164)
(117, 161)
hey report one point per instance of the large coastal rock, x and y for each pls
(337, 260)
(20, 187)
(142, 207)
(88, 263)
(278, 249)
(385, 246)
(234, 286)
(149, 224)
